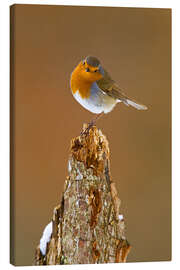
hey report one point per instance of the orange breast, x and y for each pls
(78, 83)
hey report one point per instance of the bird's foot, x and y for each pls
(86, 131)
(91, 124)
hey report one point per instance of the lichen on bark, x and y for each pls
(87, 225)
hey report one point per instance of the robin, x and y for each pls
(95, 90)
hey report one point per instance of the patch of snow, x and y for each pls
(120, 217)
(45, 238)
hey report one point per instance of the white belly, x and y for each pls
(98, 101)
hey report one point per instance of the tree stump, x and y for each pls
(87, 227)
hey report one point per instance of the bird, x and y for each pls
(93, 87)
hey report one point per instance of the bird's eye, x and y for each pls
(87, 70)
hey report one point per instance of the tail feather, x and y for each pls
(135, 105)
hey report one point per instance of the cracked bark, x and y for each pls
(87, 225)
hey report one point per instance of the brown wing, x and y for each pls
(107, 85)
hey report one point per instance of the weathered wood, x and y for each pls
(87, 225)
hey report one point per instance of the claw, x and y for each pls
(86, 131)
(91, 124)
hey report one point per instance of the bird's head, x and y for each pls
(90, 69)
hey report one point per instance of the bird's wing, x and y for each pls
(108, 86)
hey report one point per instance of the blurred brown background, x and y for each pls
(134, 45)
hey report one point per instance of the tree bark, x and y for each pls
(88, 226)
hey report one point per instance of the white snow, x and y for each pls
(45, 238)
(120, 217)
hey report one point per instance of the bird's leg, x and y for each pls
(92, 123)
